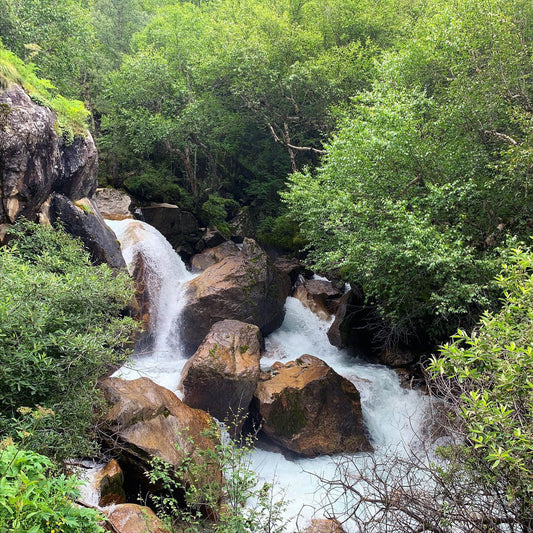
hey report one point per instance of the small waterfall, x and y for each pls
(164, 275)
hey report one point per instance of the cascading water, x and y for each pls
(164, 275)
(393, 416)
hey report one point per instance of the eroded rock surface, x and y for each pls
(146, 420)
(212, 256)
(319, 296)
(113, 204)
(131, 518)
(245, 287)
(309, 409)
(222, 375)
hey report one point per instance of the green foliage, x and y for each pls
(57, 36)
(282, 232)
(71, 114)
(32, 501)
(427, 174)
(61, 328)
(492, 369)
(156, 185)
(240, 502)
(216, 211)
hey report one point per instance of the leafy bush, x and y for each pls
(32, 501)
(240, 503)
(216, 211)
(490, 371)
(61, 328)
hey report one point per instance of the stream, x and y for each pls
(394, 416)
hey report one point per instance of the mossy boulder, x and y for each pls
(307, 408)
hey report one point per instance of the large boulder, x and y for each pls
(245, 287)
(82, 219)
(146, 421)
(294, 268)
(132, 518)
(222, 375)
(212, 256)
(44, 177)
(113, 204)
(307, 408)
(179, 227)
(108, 483)
(319, 296)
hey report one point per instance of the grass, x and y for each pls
(71, 114)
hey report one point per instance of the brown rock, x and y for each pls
(306, 407)
(222, 375)
(350, 310)
(108, 483)
(245, 287)
(147, 421)
(131, 518)
(211, 256)
(113, 204)
(324, 525)
(213, 237)
(319, 296)
(292, 267)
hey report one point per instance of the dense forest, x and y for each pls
(388, 143)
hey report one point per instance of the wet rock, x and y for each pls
(211, 256)
(146, 421)
(245, 287)
(180, 228)
(222, 375)
(307, 408)
(113, 204)
(131, 518)
(108, 483)
(213, 237)
(242, 225)
(345, 326)
(324, 525)
(35, 161)
(292, 267)
(319, 296)
(82, 219)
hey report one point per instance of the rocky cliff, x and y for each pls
(45, 178)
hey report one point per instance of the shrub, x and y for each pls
(241, 503)
(33, 501)
(60, 329)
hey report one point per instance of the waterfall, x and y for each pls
(165, 273)
(394, 417)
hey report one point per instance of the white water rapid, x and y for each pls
(394, 416)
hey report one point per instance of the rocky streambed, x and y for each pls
(229, 339)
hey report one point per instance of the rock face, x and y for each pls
(292, 267)
(147, 421)
(180, 228)
(35, 161)
(245, 287)
(212, 256)
(307, 408)
(38, 167)
(131, 518)
(222, 375)
(350, 311)
(113, 204)
(82, 219)
(319, 296)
